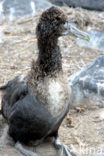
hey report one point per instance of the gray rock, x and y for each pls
(23, 7)
(87, 4)
(99, 154)
(88, 84)
(96, 40)
(14, 8)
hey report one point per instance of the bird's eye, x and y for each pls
(64, 22)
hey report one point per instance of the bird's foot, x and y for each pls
(24, 151)
(57, 143)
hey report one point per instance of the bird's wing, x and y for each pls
(11, 92)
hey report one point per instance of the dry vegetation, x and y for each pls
(18, 46)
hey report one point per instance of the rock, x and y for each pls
(18, 8)
(96, 40)
(88, 84)
(23, 7)
(87, 4)
(99, 154)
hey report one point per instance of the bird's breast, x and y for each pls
(54, 93)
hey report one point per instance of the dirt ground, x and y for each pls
(82, 131)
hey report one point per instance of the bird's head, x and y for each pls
(53, 23)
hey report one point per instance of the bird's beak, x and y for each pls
(71, 29)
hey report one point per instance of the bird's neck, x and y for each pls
(49, 59)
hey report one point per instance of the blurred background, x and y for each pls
(83, 128)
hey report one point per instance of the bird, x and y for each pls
(36, 104)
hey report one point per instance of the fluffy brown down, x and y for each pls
(46, 79)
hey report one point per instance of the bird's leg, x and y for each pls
(24, 151)
(4, 140)
(57, 142)
(64, 149)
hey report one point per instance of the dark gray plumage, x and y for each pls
(29, 109)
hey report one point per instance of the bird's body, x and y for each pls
(53, 91)
(29, 119)
(40, 100)
(36, 105)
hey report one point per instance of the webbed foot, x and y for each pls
(57, 143)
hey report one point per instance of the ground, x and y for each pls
(82, 131)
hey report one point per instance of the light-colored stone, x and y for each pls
(88, 84)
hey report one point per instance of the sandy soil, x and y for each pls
(82, 131)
